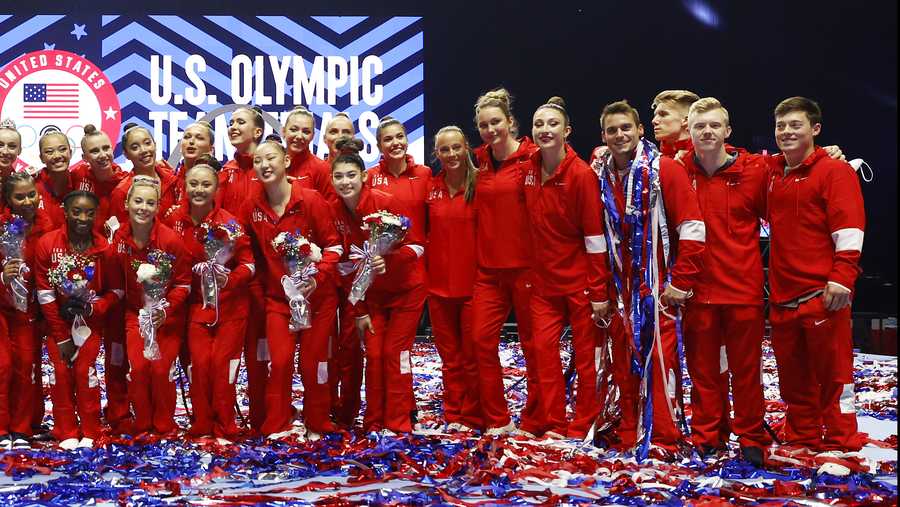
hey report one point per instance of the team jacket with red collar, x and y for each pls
(313, 173)
(410, 188)
(503, 233)
(451, 241)
(732, 201)
(50, 250)
(567, 228)
(671, 148)
(168, 183)
(41, 226)
(237, 182)
(818, 220)
(50, 202)
(687, 231)
(233, 303)
(179, 287)
(306, 212)
(403, 272)
(83, 179)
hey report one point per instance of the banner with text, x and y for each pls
(165, 72)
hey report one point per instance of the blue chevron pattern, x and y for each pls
(122, 46)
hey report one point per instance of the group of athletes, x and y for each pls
(634, 250)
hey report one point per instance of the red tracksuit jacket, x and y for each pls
(503, 232)
(313, 173)
(237, 181)
(233, 302)
(567, 228)
(83, 179)
(450, 263)
(732, 201)
(671, 148)
(685, 225)
(105, 285)
(410, 188)
(168, 183)
(179, 287)
(308, 212)
(53, 204)
(403, 271)
(818, 220)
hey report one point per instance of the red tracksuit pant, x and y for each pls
(75, 391)
(496, 292)
(115, 361)
(549, 318)
(313, 367)
(38, 406)
(451, 324)
(215, 359)
(719, 339)
(814, 351)
(151, 384)
(665, 378)
(347, 367)
(389, 382)
(18, 339)
(256, 357)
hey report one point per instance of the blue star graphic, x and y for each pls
(79, 31)
(289, 89)
(49, 46)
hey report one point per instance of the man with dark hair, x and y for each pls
(817, 221)
(656, 237)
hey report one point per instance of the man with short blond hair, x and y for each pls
(670, 111)
(724, 321)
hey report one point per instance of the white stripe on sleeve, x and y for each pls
(847, 239)
(693, 230)
(595, 244)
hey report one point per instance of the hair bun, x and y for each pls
(211, 161)
(557, 101)
(273, 138)
(349, 145)
(129, 126)
(90, 129)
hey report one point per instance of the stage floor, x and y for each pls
(434, 467)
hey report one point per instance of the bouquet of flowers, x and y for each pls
(153, 275)
(385, 231)
(72, 277)
(300, 256)
(12, 239)
(218, 244)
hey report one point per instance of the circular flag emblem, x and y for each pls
(57, 90)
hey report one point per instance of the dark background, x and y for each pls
(750, 55)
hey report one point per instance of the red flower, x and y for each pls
(305, 249)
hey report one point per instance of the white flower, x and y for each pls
(279, 239)
(315, 253)
(146, 272)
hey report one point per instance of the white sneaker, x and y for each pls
(69, 444)
(388, 433)
(5, 443)
(312, 436)
(86, 443)
(223, 441)
(552, 435)
(20, 443)
(503, 430)
(280, 435)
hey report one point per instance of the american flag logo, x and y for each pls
(51, 101)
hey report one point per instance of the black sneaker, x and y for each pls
(753, 455)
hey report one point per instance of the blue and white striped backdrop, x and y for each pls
(343, 79)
